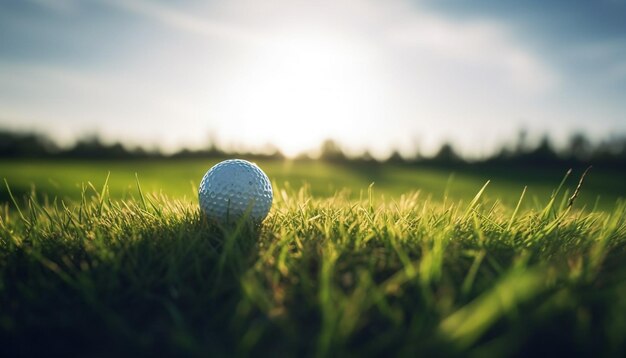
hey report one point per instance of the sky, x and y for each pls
(373, 75)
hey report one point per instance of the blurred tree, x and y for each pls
(396, 158)
(92, 147)
(522, 142)
(579, 147)
(609, 152)
(28, 145)
(446, 154)
(331, 151)
(542, 155)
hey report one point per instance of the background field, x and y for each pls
(179, 179)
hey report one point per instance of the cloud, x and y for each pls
(477, 42)
(184, 21)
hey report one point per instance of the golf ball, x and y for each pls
(233, 189)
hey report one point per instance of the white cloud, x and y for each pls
(184, 21)
(486, 45)
(479, 43)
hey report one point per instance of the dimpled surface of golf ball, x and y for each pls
(235, 188)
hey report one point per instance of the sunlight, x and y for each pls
(298, 90)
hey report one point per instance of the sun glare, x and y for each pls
(296, 91)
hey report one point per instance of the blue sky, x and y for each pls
(377, 75)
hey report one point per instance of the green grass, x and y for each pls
(323, 276)
(179, 179)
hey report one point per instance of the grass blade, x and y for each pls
(570, 203)
(519, 203)
(105, 186)
(19, 211)
(474, 201)
(548, 208)
(141, 196)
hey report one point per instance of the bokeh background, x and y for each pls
(437, 96)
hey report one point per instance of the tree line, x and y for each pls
(578, 150)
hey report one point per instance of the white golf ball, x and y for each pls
(233, 189)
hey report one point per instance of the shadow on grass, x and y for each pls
(165, 289)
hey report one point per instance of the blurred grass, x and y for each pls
(179, 179)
